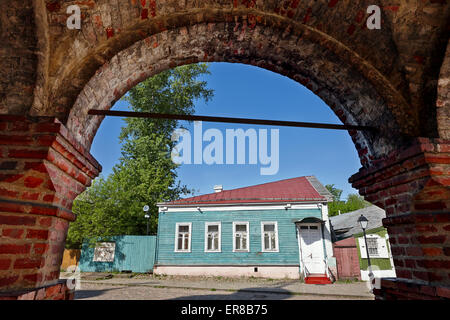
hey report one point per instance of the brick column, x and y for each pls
(413, 186)
(42, 170)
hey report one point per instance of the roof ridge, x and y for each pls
(291, 189)
(320, 188)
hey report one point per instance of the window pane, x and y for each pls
(213, 228)
(372, 246)
(304, 227)
(186, 242)
(238, 242)
(313, 227)
(266, 242)
(272, 241)
(209, 242)
(180, 242)
(216, 243)
(183, 228)
(241, 227)
(269, 227)
(244, 242)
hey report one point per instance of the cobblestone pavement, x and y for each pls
(150, 287)
(101, 291)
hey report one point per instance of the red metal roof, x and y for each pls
(294, 190)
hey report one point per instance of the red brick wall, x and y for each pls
(42, 171)
(413, 187)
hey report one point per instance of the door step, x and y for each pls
(317, 279)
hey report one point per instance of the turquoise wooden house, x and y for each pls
(275, 230)
(120, 253)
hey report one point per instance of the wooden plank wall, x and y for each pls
(287, 255)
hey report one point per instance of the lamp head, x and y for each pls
(363, 222)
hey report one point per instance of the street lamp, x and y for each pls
(146, 208)
(363, 223)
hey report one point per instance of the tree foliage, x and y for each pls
(145, 173)
(337, 193)
(353, 202)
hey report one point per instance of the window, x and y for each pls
(183, 237)
(240, 236)
(269, 235)
(212, 237)
(376, 245)
(372, 246)
(104, 252)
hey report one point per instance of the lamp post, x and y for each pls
(146, 208)
(363, 223)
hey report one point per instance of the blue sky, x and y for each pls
(250, 92)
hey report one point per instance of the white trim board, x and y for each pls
(177, 225)
(247, 239)
(275, 223)
(240, 207)
(213, 223)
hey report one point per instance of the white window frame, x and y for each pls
(234, 236)
(219, 224)
(263, 223)
(177, 225)
(381, 243)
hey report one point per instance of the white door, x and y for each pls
(312, 248)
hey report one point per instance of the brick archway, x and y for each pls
(378, 78)
(351, 96)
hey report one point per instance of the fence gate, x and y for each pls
(347, 260)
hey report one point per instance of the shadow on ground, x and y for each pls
(85, 294)
(259, 293)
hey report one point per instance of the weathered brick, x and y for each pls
(33, 182)
(14, 248)
(7, 281)
(443, 292)
(40, 248)
(37, 234)
(33, 278)
(432, 251)
(12, 233)
(53, 291)
(5, 264)
(45, 222)
(17, 220)
(432, 239)
(28, 263)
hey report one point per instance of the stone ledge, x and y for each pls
(58, 291)
(410, 289)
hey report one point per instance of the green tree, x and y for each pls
(354, 202)
(145, 173)
(337, 193)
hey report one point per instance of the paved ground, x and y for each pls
(149, 287)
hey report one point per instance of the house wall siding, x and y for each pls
(132, 253)
(288, 246)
